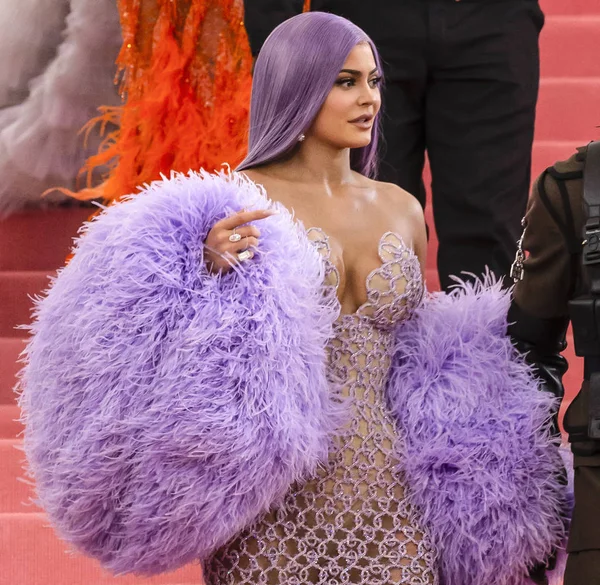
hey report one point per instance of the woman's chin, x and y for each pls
(359, 142)
(362, 143)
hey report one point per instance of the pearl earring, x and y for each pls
(301, 138)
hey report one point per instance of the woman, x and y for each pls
(257, 396)
(361, 223)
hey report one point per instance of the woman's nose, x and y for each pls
(369, 95)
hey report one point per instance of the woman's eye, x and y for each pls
(351, 82)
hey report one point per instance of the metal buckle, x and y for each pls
(516, 269)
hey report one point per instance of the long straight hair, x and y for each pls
(293, 75)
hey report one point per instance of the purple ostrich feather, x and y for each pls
(475, 446)
(166, 408)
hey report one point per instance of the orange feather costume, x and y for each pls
(185, 80)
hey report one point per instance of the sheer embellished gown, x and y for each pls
(352, 523)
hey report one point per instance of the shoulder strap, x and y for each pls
(566, 227)
(591, 230)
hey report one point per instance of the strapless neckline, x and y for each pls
(394, 289)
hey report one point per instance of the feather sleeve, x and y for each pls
(166, 408)
(476, 447)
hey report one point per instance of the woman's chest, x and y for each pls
(367, 249)
(380, 281)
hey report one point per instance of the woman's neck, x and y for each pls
(317, 164)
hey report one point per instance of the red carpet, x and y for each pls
(33, 245)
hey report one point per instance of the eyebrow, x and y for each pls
(356, 72)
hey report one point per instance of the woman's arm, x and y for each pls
(409, 218)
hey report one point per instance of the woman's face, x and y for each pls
(347, 116)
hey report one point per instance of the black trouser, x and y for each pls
(461, 82)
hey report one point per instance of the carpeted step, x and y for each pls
(15, 492)
(574, 376)
(16, 288)
(31, 554)
(39, 240)
(572, 7)
(10, 426)
(10, 348)
(568, 109)
(569, 46)
(432, 279)
(547, 152)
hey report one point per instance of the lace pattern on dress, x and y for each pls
(394, 289)
(352, 523)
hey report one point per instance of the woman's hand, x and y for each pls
(231, 241)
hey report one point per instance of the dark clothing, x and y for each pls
(262, 16)
(462, 83)
(552, 276)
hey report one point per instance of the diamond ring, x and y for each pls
(245, 255)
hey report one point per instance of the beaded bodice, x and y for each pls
(394, 289)
(352, 523)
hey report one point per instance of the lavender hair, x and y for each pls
(294, 72)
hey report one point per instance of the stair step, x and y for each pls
(572, 7)
(39, 239)
(547, 152)
(432, 279)
(564, 109)
(31, 554)
(15, 493)
(10, 348)
(10, 425)
(569, 46)
(16, 288)
(574, 376)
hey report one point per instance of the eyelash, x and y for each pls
(374, 82)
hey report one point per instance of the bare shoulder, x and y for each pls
(263, 178)
(397, 201)
(410, 204)
(405, 212)
(254, 175)
(264, 181)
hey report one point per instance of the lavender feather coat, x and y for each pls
(165, 408)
